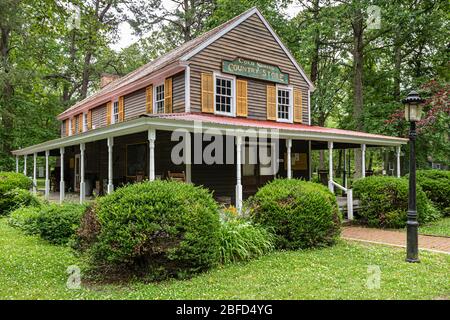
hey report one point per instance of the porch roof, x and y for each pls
(234, 126)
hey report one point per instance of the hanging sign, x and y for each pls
(255, 69)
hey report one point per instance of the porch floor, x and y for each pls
(73, 197)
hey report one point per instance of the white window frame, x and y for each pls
(70, 126)
(291, 103)
(113, 118)
(85, 124)
(232, 112)
(155, 107)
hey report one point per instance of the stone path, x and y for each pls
(394, 238)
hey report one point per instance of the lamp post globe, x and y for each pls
(413, 113)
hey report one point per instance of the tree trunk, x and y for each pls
(358, 64)
(397, 70)
(315, 55)
(6, 110)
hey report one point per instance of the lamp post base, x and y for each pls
(412, 238)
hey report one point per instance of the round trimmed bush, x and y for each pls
(25, 218)
(301, 214)
(9, 183)
(384, 202)
(436, 184)
(158, 229)
(57, 223)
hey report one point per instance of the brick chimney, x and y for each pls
(107, 78)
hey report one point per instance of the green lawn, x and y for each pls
(32, 269)
(437, 228)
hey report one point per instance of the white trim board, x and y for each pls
(237, 23)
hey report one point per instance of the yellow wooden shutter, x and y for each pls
(149, 99)
(89, 120)
(207, 92)
(121, 109)
(271, 102)
(108, 113)
(168, 95)
(297, 105)
(67, 126)
(241, 98)
(73, 125)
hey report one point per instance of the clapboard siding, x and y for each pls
(250, 40)
(99, 117)
(178, 92)
(134, 104)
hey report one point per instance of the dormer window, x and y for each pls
(85, 122)
(115, 113)
(224, 97)
(159, 99)
(284, 104)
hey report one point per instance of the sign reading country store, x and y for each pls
(255, 69)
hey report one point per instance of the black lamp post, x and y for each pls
(413, 112)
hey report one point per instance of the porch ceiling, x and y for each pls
(193, 122)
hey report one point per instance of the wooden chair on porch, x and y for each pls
(177, 176)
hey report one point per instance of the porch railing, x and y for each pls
(348, 192)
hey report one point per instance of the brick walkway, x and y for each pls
(394, 238)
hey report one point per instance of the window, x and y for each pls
(284, 104)
(224, 95)
(85, 124)
(159, 99)
(115, 114)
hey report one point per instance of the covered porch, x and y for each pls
(232, 157)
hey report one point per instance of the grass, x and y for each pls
(437, 228)
(30, 268)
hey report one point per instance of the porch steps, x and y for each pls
(342, 204)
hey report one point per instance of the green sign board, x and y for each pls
(255, 69)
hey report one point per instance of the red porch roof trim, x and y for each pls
(266, 124)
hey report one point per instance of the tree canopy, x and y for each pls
(363, 57)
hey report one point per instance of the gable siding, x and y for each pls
(134, 104)
(99, 117)
(250, 40)
(178, 92)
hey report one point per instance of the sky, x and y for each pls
(126, 37)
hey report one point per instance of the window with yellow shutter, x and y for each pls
(168, 95)
(207, 92)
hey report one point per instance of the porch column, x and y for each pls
(151, 142)
(82, 184)
(17, 164)
(238, 173)
(397, 153)
(34, 173)
(110, 142)
(344, 172)
(62, 186)
(47, 176)
(330, 166)
(25, 164)
(188, 158)
(363, 160)
(288, 158)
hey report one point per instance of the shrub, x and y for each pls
(240, 240)
(384, 202)
(9, 183)
(57, 223)
(25, 218)
(158, 229)
(436, 184)
(301, 214)
(17, 198)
